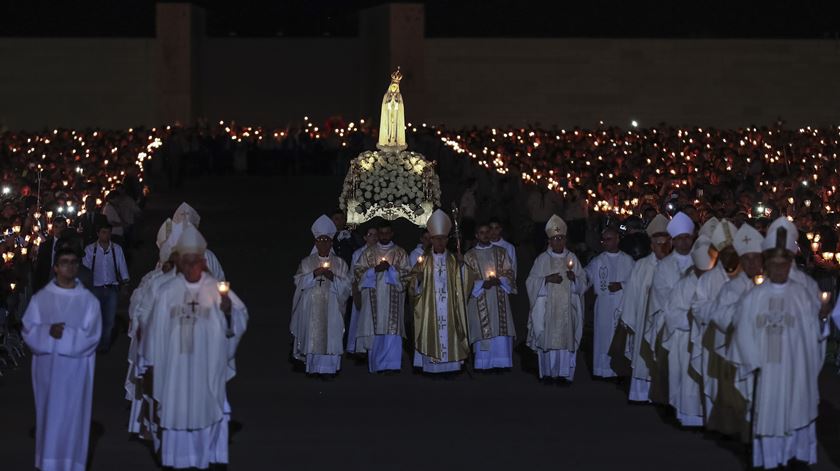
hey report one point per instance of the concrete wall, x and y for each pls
(73, 82)
(182, 75)
(581, 81)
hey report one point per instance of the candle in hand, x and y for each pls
(420, 259)
(825, 296)
(491, 274)
(571, 264)
(224, 287)
(758, 279)
(325, 265)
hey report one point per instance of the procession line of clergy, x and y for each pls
(721, 346)
(185, 327)
(458, 304)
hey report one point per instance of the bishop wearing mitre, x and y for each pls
(440, 323)
(322, 286)
(196, 323)
(780, 332)
(555, 286)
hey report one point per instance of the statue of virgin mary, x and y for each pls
(392, 118)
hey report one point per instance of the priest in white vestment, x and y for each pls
(489, 315)
(371, 237)
(139, 307)
(322, 286)
(381, 325)
(729, 414)
(705, 366)
(196, 324)
(684, 388)
(635, 305)
(186, 213)
(440, 323)
(670, 270)
(61, 326)
(555, 286)
(607, 273)
(422, 247)
(780, 334)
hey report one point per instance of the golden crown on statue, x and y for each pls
(391, 182)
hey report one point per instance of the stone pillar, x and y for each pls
(393, 35)
(180, 30)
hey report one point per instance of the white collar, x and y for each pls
(488, 246)
(385, 246)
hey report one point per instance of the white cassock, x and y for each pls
(317, 324)
(489, 315)
(441, 284)
(708, 288)
(634, 306)
(778, 335)
(604, 269)
(683, 390)
(381, 324)
(354, 311)
(214, 266)
(193, 357)
(555, 321)
(62, 373)
(414, 255)
(511, 251)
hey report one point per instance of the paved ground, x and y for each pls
(284, 420)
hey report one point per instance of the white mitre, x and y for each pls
(191, 242)
(186, 212)
(658, 225)
(324, 226)
(163, 232)
(789, 244)
(680, 224)
(439, 224)
(700, 253)
(724, 234)
(708, 227)
(555, 226)
(747, 240)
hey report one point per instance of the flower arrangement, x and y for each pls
(390, 185)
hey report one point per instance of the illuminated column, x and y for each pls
(393, 35)
(180, 29)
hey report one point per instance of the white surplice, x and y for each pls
(604, 269)
(779, 337)
(62, 373)
(193, 356)
(633, 308)
(317, 323)
(555, 320)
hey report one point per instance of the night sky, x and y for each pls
(471, 18)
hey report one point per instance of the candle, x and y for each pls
(491, 274)
(828, 256)
(326, 265)
(12, 285)
(570, 263)
(16, 228)
(825, 296)
(758, 279)
(49, 214)
(24, 250)
(815, 246)
(420, 259)
(224, 287)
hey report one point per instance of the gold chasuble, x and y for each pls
(426, 331)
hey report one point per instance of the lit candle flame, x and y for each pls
(825, 296)
(758, 279)
(570, 263)
(224, 287)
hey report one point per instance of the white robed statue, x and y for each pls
(196, 327)
(392, 118)
(322, 286)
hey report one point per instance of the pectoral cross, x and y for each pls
(320, 281)
(192, 304)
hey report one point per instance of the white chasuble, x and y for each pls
(634, 307)
(604, 269)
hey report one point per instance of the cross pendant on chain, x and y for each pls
(192, 304)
